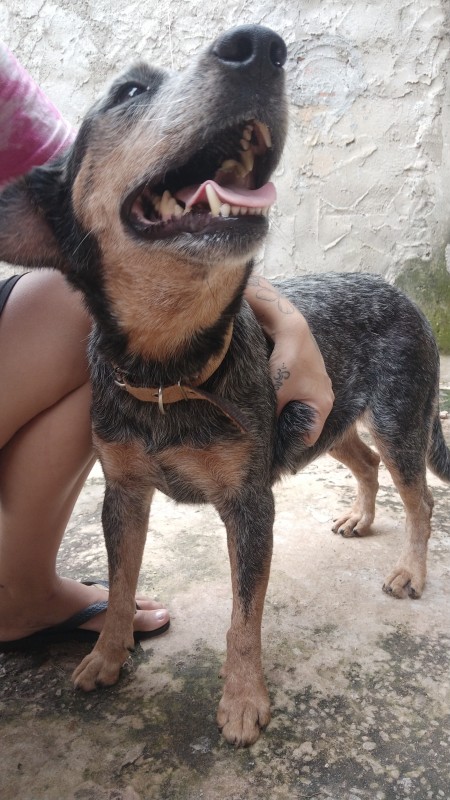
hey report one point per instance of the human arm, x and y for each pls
(32, 130)
(296, 364)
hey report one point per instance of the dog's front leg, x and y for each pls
(125, 521)
(244, 708)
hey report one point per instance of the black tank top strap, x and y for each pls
(6, 287)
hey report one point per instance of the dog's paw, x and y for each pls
(403, 582)
(353, 523)
(97, 670)
(244, 711)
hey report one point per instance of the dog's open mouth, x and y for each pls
(223, 181)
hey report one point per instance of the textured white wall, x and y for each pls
(364, 183)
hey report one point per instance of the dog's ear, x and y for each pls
(27, 229)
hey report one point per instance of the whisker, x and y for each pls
(82, 240)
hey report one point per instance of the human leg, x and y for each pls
(46, 455)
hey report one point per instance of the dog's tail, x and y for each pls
(438, 453)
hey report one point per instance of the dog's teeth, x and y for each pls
(247, 132)
(225, 210)
(231, 165)
(265, 211)
(244, 144)
(235, 210)
(248, 160)
(166, 205)
(213, 200)
(172, 206)
(265, 133)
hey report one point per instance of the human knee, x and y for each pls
(44, 308)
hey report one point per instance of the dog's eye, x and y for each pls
(128, 91)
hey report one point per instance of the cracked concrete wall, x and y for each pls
(364, 183)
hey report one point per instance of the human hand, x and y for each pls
(296, 364)
(298, 373)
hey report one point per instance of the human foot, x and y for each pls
(67, 599)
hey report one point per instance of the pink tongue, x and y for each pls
(249, 198)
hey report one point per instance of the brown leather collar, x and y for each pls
(188, 390)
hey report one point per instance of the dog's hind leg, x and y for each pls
(244, 708)
(363, 463)
(408, 576)
(406, 464)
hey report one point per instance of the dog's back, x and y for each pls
(380, 354)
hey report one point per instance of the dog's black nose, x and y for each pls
(251, 48)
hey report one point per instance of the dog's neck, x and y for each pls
(176, 341)
(189, 389)
(162, 303)
(175, 392)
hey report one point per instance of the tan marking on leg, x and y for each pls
(408, 576)
(130, 491)
(244, 709)
(363, 463)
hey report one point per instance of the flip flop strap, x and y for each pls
(82, 616)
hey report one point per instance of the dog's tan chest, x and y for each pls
(207, 470)
(210, 470)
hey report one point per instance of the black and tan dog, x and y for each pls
(155, 215)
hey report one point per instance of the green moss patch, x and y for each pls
(429, 286)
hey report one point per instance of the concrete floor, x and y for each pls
(359, 682)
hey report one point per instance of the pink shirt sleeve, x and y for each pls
(32, 131)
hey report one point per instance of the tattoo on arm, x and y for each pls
(264, 291)
(281, 376)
